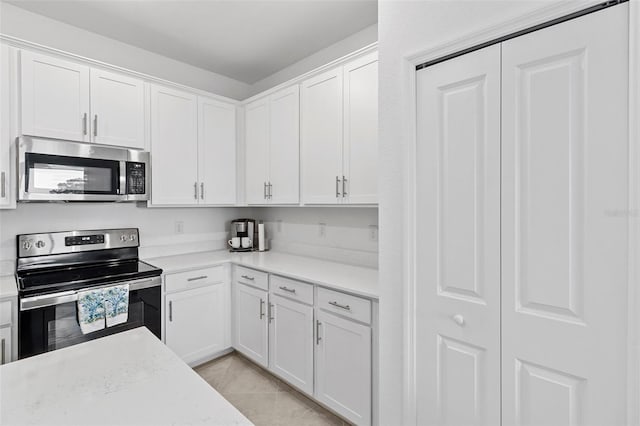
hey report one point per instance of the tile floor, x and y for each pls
(261, 397)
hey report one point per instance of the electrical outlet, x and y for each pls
(322, 230)
(279, 225)
(179, 227)
(373, 233)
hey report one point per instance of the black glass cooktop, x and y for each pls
(80, 277)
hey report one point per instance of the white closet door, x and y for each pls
(564, 233)
(361, 130)
(55, 97)
(284, 170)
(458, 229)
(321, 131)
(174, 147)
(216, 151)
(257, 151)
(117, 109)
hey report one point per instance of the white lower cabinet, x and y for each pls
(343, 366)
(197, 317)
(291, 341)
(251, 324)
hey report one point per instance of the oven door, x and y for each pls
(55, 326)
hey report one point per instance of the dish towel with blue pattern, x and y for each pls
(91, 315)
(116, 304)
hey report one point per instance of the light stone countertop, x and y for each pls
(8, 287)
(339, 276)
(128, 378)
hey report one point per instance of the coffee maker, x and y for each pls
(244, 228)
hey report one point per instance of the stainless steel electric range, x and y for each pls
(53, 267)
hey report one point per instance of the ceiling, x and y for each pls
(247, 40)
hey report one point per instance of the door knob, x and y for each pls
(459, 319)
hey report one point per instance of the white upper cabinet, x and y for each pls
(174, 147)
(5, 129)
(117, 109)
(339, 134)
(216, 152)
(322, 138)
(66, 100)
(272, 148)
(257, 151)
(55, 97)
(361, 130)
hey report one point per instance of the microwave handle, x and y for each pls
(122, 189)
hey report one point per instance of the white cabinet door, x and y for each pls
(117, 109)
(5, 128)
(197, 322)
(257, 151)
(216, 151)
(284, 153)
(321, 133)
(343, 367)
(361, 130)
(5, 345)
(291, 342)
(565, 255)
(458, 272)
(54, 97)
(174, 147)
(251, 326)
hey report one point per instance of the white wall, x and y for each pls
(204, 228)
(39, 29)
(407, 28)
(350, 44)
(347, 237)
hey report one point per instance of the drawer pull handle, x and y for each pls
(201, 277)
(337, 305)
(247, 277)
(290, 290)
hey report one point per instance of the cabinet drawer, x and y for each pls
(346, 305)
(5, 313)
(296, 290)
(194, 279)
(252, 277)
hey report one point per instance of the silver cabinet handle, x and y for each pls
(271, 318)
(95, 125)
(247, 277)
(264, 191)
(202, 190)
(337, 305)
(270, 190)
(170, 311)
(337, 186)
(195, 190)
(344, 186)
(290, 290)
(3, 182)
(84, 124)
(201, 277)
(2, 348)
(318, 338)
(261, 308)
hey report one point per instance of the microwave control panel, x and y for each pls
(136, 178)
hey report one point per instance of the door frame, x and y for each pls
(537, 16)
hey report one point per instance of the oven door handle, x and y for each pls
(36, 302)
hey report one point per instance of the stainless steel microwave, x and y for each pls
(58, 170)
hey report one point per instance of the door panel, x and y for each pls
(216, 151)
(322, 138)
(117, 107)
(284, 155)
(55, 97)
(251, 326)
(174, 147)
(458, 210)
(257, 151)
(291, 342)
(564, 250)
(361, 130)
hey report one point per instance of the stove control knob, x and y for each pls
(26, 245)
(132, 237)
(40, 244)
(123, 238)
